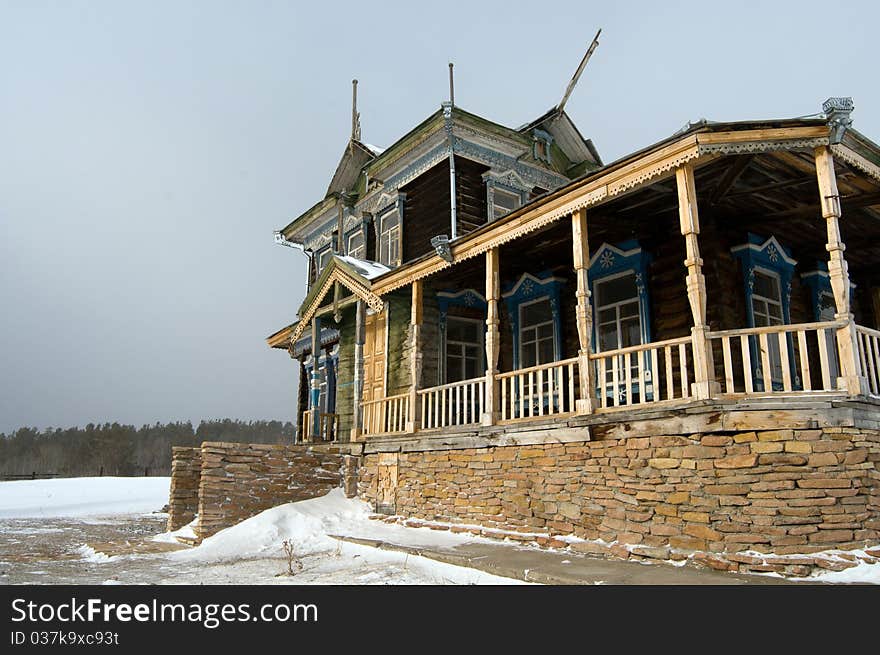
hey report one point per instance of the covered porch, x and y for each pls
(623, 321)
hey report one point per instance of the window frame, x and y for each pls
(362, 247)
(395, 240)
(537, 340)
(479, 344)
(768, 257)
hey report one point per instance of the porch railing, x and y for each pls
(457, 403)
(782, 359)
(386, 415)
(544, 390)
(778, 358)
(328, 426)
(642, 374)
(869, 357)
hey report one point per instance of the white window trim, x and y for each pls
(615, 305)
(480, 344)
(382, 234)
(775, 301)
(363, 246)
(545, 298)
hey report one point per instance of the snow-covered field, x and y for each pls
(82, 518)
(68, 510)
(82, 497)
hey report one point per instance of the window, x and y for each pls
(618, 320)
(766, 299)
(504, 202)
(536, 333)
(766, 311)
(324, 259)
(621, 318)
(357, 247)
(541, 145)
(767, 271)
(464, 349)
(389, 238)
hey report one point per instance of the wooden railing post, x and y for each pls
(704, 385)
(851, 379)
(493, 293)
(413, 419)
(357, 396)
(583, 312)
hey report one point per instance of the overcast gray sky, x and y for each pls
(149, 149)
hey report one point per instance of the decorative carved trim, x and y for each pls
(419, 166)
(533, 175)
(745, 147)
(854, 159)
(349, 282)
(647, 173)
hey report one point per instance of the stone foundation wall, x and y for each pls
(241, 480)
(183, 502)
(781, 491)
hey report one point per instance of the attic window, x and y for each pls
(356, 246)
(541, 146)
(504, 202)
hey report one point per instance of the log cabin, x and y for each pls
(477, 288)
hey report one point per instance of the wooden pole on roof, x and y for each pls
(451, 86)
(577, 73)
(355, 116)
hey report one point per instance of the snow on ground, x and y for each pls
(82, 497)
(310, 526)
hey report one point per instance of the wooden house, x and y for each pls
(677, 349)
(476, 275)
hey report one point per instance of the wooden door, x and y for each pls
(374, 357)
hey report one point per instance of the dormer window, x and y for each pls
(389, 238)
(357, 247)
(541, 146)
(504, 202)
(324, 259)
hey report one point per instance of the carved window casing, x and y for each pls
(767, 271)
(618, 276)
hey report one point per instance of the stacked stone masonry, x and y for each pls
(183, 502)
(780, 492)
(234, 481)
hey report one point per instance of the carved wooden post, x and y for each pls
(583, 313)
(415, 360)
(315, 397)
(493, 340)
(704, 385)
(358, 396)
(850, 379)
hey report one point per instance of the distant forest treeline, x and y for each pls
(114, 449)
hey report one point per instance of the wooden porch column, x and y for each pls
(415, 358)
(315, 395)
(584, 315)
(493, 339)
(851, 379)
(359, 333)
(704, 385)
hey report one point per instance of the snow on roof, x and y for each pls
(369, 270)
(376, 150)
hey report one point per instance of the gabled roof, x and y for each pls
(353, 160)
(351, 273)
(566, 134)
